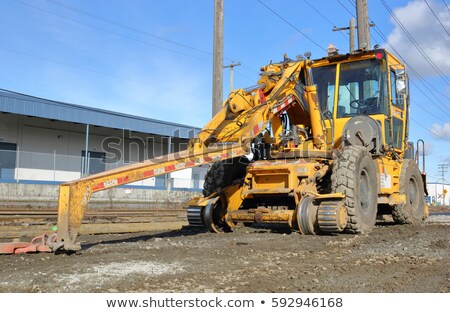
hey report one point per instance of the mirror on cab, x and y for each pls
(400, 81)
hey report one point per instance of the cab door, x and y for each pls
(398, 108)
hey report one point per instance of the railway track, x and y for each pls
(29, 222)
(19, 212)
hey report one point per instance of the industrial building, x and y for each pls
(45, 141)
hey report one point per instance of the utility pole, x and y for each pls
(363, 27)
(352, 35)
(217, 98)
(442, 170)
(351, 28)
(362, 15)
(231, 66)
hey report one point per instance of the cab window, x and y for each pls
(325, 79)
(360, 89)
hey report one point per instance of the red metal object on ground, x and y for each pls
(42, 243)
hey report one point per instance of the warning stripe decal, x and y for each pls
(283, 105)
(158, 171)
(257, 129)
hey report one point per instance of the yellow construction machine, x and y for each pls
(321, 145)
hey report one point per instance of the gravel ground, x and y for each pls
(391, 258)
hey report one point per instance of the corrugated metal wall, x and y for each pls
(12, 102)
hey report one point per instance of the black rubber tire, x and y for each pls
(411, 185)
(222, 174)
(354, 174)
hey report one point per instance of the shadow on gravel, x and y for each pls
(192, 231)
(385, 223)
(188, 231)
(271, 228)
(184, 231)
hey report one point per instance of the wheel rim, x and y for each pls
(365, 192)
(213, 217)
(306, 216)
(210, 215)
(413, 193)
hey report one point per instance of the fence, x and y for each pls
(33, 167)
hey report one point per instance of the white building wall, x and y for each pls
(435, 191)
(52, 150)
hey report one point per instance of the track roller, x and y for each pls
(332, 216)
(194, 216)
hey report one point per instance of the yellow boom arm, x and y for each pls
(74, 196)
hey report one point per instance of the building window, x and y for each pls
(7, 160)
(95, 162)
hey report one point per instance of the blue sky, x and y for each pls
(153, 58)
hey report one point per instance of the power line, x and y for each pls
(424, 82)
(132, 28)
(351, 13)
(418, 47)
(249, 69)
(442, 107)
(94, 71)
(243, 75)
(105, 30)
(429, 112)
(109, 31)
(290, 24)
(352, 3)
(442, 168)
(428, 97)
(320, 13)
(426, 128)
(436, 17)
(420, 77)
(324, 17)
(378, 31)
(411, 38)
(446, 5)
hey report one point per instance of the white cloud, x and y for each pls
(441, 131)
(420, 22)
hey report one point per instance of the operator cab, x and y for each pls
(371, 83)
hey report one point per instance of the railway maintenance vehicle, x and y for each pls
(319, 144)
